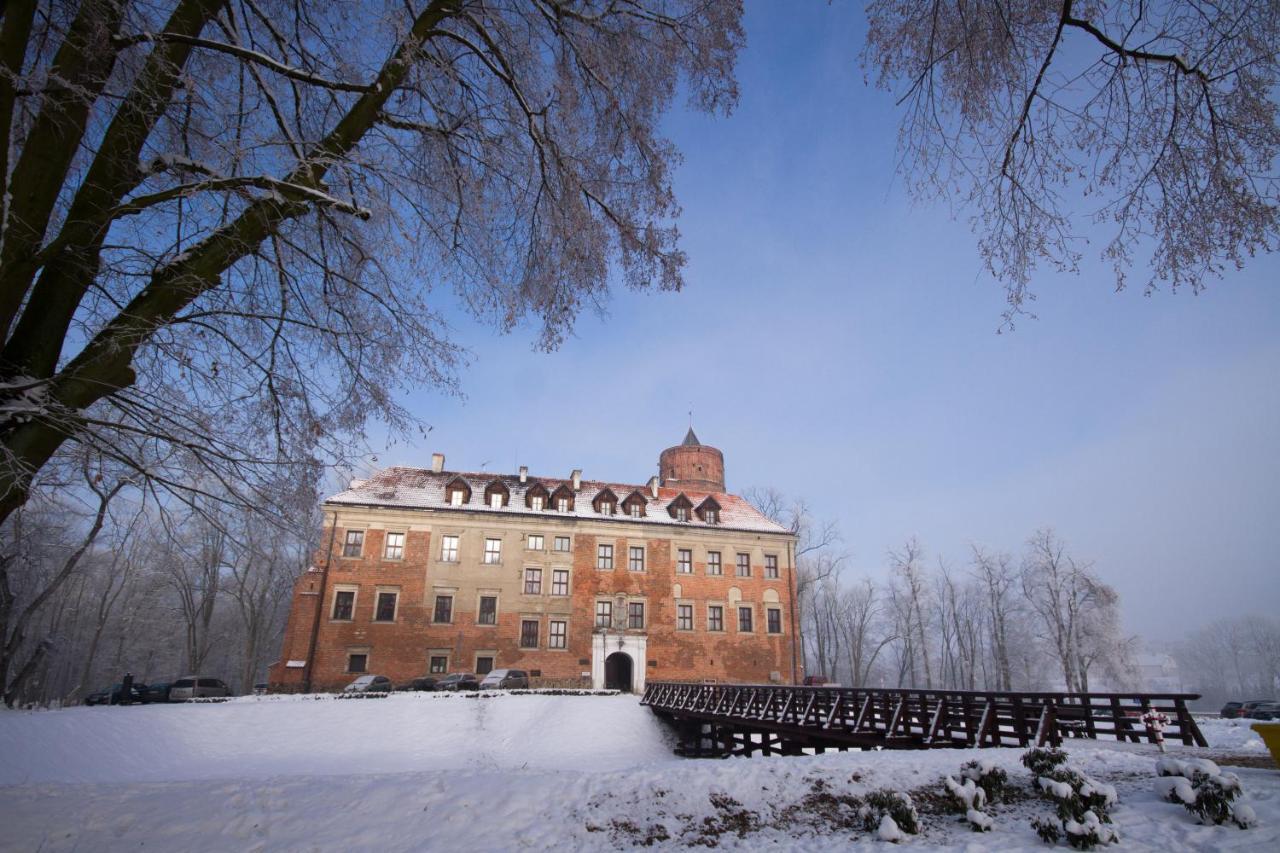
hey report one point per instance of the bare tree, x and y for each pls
(1158, 116)
(224, 214)
(997, 576)
(909, 592)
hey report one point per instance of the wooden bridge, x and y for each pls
(739, 719)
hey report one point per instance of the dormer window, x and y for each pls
(637, 510)
(712, 516)
(536, 502)
(457, 492)
(709, 511)
(606, 508)
(536, 497)
(495, 501)
(634, 505)
(562, 499)
(497, 495)
(562, 504)
(605, 502)
(680, 507)
(682, 513)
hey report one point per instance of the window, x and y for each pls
(357, 663)
(495, 500)
(684, 561)
(561, 543)
(488, 610)
(344, 602)
(604, 556)
(353, 544)
(682, 513)
(636, 510)
(560, 582)
(744, 565)
(493, 550)
(635, 614)
(606, 507)
(562, 504)
(534, 542)
(533, 581)
(386, 609)
(771, 566)
(537, 502)
(449, 549)
(444, 609)
(715, 618)
(774, 616)
(528, 633)
(744, 619)
(713, 563)
(455, 497)
(394, 549)
(557, 637)
(684, 617)
(711, 516)
(636, 559)
(439, 665)
(484, 664)
(604, 614)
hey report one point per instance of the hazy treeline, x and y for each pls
(100, 577)
(1235, 658)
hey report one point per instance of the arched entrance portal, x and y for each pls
(617, 672)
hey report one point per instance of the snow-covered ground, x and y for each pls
(509, 772)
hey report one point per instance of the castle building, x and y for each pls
(580, 582)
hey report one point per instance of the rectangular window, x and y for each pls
(439, 665)
(562, 504)
(604, 614)
(536, 502)
(744, 619)
(493, 550)
(534, 543)
(715, 618)
(528, 633)
(771, 566)
(344, 602)
(394, 549)
(712, 517)
(636, 509)
(560, 582)
(636, 559)
(495, 500)
(455, 497)
(606, 507)
(604, 556)
(484, 665)
(682, 513)
(353, 544)
(562, 543)
(635, 614)
(357, 663)
(444, 609)
(557, 637)
(488, 610)
(449, 549)
(774, 616)
(684, 617)
(744, 565)
(684, 561)
(713, 563)
(386, 609)
(533, 581)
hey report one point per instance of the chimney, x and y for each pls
(524, 473)
(576, 476)
(653, 487)
(437, 462)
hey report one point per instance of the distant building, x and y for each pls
(429, 571)
(1159, 672)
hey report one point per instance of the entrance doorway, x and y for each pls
(617, 672)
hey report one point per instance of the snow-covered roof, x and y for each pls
(421, 488)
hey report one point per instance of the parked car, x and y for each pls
(157, 692)
(369, 684)
(1264, 711)
(1246, 710)
(1231, 710)
(425, 683)
(197, 687)
(458, 681)
(260, 689)
(505, 679)
(111, 695)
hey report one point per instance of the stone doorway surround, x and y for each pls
(608, 642)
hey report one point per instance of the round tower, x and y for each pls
(692, 465)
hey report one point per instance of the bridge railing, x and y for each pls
(908, 718)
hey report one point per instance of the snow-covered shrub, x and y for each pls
(1048, 830)
(987, 776)
(1041, 760)
(1203, 789)
(1082, 805)
(889, 813)
(965, 795)
(979, 820)
(1088, 832)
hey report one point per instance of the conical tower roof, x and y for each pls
(690, 439)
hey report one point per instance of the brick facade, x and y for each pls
(401, 641)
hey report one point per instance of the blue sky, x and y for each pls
(839, 342)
